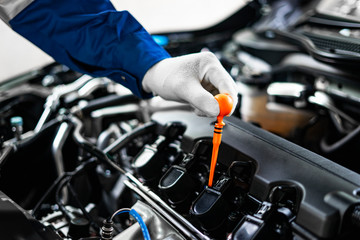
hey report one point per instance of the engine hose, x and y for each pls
(61, 206)
(89, 147)
(66, 183)
(128, 137)
(35, 136)
(104, 156)
(107, 101)
(47, 193)
(326, 148)
(79, 169)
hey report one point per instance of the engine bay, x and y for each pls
(83, 158)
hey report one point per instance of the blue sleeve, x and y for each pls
(91, 37)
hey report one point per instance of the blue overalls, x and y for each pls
(91, 37)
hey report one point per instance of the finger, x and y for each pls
(202, 100)
(221, 80)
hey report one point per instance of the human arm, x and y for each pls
(93, 38)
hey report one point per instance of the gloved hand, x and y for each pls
(193, 79)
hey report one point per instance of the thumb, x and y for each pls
(201, 100)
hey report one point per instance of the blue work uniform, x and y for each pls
(91, 37)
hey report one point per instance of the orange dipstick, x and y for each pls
(225, 104)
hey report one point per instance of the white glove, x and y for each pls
(193, 79)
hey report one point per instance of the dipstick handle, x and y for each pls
(225, 104)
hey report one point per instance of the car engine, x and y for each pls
(83, 158)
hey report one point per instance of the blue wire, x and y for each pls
(138, 218)
(124, 211)
(143, 227)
